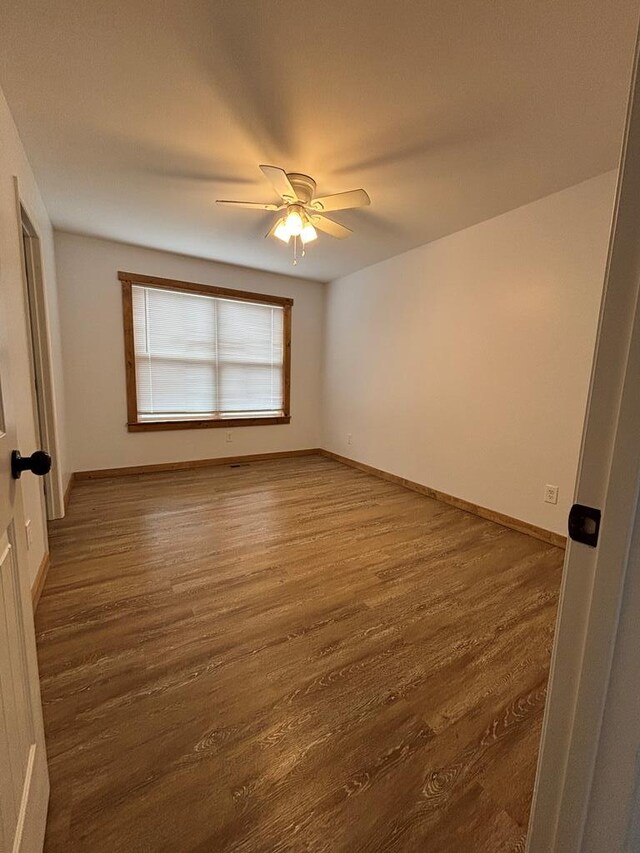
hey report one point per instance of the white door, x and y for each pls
(24, 780)
(587, 796)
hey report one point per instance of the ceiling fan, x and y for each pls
(301, 213)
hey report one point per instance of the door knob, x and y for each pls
(38, 463)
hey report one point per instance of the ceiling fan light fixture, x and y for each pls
(282, 232)
(294, 221)
(308, 233)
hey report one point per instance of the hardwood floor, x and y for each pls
(290, 656)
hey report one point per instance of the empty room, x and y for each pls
(318, 426)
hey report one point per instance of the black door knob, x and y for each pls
(38, 463)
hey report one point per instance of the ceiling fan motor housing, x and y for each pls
(304, 186)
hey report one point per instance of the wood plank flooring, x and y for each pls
(290, 656)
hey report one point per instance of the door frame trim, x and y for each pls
(37, 313)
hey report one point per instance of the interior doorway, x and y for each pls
(39, 357)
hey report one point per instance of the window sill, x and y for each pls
(208, 423)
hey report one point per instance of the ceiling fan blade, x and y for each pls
(280, 182)
(341, 201)
(331, 227)
(250, 205)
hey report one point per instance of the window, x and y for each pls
(199, 356)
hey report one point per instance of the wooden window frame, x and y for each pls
(128, 279)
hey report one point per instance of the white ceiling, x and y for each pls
(138, 115)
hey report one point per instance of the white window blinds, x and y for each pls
(200, 356)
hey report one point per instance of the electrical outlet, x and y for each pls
(27, 528)
(550, 494)
(349, 438)
(228, 436)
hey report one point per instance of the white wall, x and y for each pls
(464, 364)
(13, 162)
(91, 315)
